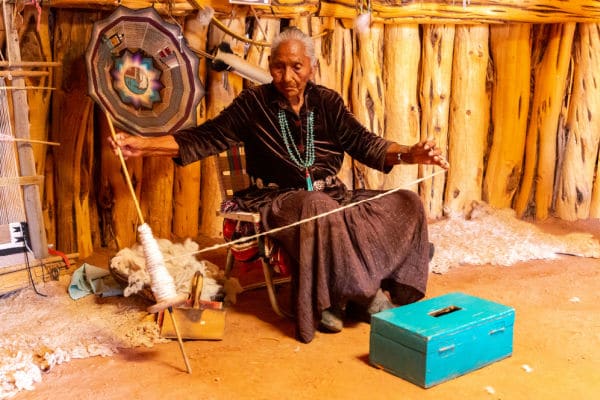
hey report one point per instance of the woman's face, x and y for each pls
(291, 69)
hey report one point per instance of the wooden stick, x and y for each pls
(26, 87)
(11, 139)
(31, 64)
(20, 73)
(124, 166)
(180, 341)
(21, 180)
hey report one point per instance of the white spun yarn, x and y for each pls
(162, 284)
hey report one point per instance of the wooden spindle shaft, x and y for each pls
(125, 171)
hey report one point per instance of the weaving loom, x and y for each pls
(13, 224)
(15, 249)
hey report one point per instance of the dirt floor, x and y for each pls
(556, 353)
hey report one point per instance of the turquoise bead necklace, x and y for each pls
(290, 144)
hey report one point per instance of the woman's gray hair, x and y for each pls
(293, 33)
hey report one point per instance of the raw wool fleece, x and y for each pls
(498, 237)
(180, 262)
(37, 332)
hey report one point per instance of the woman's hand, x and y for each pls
(129, 145)
(424, 152)
(139, 146)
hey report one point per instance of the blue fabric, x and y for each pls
(89, 279)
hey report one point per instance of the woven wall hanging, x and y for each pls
(142, 73)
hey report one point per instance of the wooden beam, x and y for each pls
(31, 64)
(468, 12)
(20, 73)
(21, 180)
(387, 11)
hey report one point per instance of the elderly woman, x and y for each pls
(295, 133)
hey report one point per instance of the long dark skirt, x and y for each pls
(346, 256)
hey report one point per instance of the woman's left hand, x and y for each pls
(425, 152)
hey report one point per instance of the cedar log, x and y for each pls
(469, 119)
(368, 94)
(511, 53)
(552, 47)
(401, 56)
(577, 190)
(436, 78)
(72, 126)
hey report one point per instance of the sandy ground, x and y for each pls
(556, 352)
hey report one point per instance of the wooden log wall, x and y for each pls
(514, 106)
(469, 118)
(577, 190)
(434, 94)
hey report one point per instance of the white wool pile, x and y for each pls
(362, 23)
(498, 237)
(39, 332)
(180, 262)
(205, 15)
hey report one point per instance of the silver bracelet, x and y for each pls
(400, 160)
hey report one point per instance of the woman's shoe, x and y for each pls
(379, 303)
(331, 321)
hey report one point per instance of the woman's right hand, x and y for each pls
(129, 145)
(139, 146)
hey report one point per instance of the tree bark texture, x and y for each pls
(434, 94)
(552, 53)
(73, 128)
(469, 119)
(511, 56)
(577, 186)
(402, 55)
(368, 102)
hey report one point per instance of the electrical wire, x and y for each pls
(26, 249)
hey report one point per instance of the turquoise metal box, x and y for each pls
(434, 340)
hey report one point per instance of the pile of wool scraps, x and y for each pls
(181, 263)
(39, 332)
(497, 237)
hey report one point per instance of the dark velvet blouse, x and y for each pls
(252, 119)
